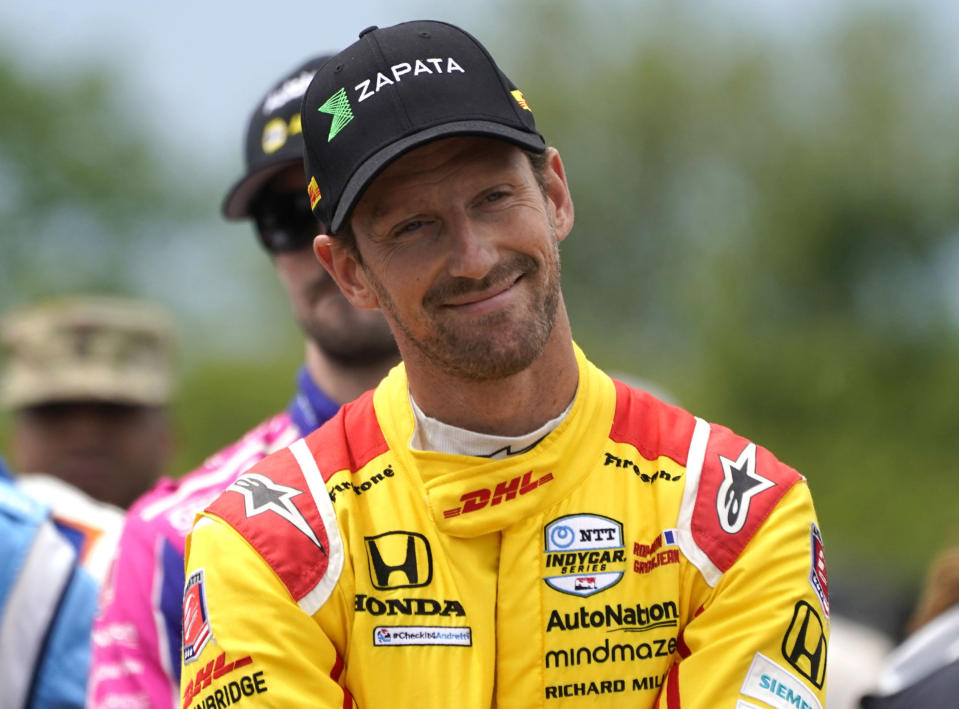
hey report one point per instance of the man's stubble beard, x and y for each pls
(343, 333)
(476, 355)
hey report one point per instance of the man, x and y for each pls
(88, 379)
(499, 523)
(46, 607)
(137, 633)
(923, 670)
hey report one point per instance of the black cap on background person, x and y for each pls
(274, 140)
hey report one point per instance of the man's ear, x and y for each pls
(560, 202)
(342, 265)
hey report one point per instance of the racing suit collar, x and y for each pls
(462, 490)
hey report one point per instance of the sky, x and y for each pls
(182, 63)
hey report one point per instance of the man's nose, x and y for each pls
(472, 252)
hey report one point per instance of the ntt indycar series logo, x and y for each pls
(385, 635)
(584, 554)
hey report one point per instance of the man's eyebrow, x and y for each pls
(380, 210)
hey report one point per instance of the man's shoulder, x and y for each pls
(92, 526)
(651, 425)
(175, 501)
(733, 487)
(19, 508)
(732, 484)
(349, 440)
(282, 508)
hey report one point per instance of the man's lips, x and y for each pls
(488, 297)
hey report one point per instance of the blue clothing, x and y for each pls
(311, 406)
(47, 603)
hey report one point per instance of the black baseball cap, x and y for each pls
(393, 90)
(273, 138)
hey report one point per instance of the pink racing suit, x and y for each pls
(136, 634)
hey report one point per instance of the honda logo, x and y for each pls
(399, 560)
(804, 645)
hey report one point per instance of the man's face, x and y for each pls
(459, 248)
(324, 314)
(113, 452)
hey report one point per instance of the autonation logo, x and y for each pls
(384, 635)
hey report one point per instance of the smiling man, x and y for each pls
(499, 523)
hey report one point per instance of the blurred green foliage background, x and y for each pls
(767, 227)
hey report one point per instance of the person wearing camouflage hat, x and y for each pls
(346, 351)
(88, 380)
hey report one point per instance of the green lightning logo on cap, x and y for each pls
(338, 106)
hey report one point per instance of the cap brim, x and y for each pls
(379, 160)
(236, 204)
(88, 384)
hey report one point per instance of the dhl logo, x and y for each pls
(504, 491)
(214, 669)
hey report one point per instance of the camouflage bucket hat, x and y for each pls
(87, 348)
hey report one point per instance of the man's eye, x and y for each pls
(410, 227)
(495, 196)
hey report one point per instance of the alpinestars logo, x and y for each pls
(338, 106)
(740, 484)
(260, 494)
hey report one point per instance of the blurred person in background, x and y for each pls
(47, 602)
(347, 351)
(87, 379)
(856, 653)
(923, 670)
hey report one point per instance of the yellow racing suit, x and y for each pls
(636, 557)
